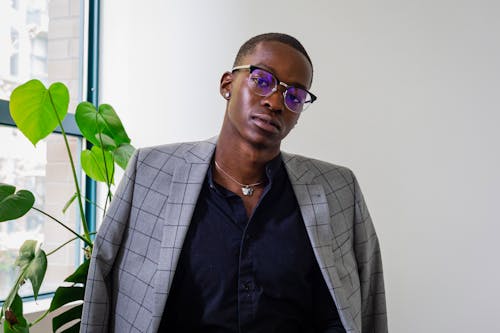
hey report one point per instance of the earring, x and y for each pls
(227, 94)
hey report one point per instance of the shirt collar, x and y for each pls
(272, 167)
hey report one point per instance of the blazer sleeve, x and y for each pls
(98, 293)
(369, 260)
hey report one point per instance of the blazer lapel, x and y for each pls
(315, 211)
(187, 181)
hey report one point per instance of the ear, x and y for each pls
(226, 83)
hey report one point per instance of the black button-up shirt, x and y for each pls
(257, 274)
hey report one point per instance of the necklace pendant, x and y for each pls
(247, 190)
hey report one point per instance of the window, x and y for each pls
(14, 64)
(39, 51)
(14, 4)
(44, 41)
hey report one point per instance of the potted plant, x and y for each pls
(37, 111)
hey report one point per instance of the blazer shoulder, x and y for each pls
(317, 170)
(181, 151)
(171, 149)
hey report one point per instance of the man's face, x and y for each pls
(265, 121)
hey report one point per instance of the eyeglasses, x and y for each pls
(264, 83)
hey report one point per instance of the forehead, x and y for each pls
(287, 63)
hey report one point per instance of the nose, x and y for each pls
(275, 101)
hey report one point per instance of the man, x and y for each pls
(233, 235)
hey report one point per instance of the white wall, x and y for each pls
(408, 98)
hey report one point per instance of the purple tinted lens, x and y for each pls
(296, 98)
(262, 82)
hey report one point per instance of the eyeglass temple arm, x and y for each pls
(241, 67)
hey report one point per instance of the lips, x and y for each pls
(266, 123)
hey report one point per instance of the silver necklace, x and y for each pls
(246, 189)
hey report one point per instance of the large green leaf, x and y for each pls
(6, 190)
(122, 154)
(65, 295)
(107, 142)
(14, 319)
(96, 162)
(66, 317)
(33, 108)
(14, 205)
(32, 260)
(105, 120)
(80, 275)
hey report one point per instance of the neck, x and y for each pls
(243, 161)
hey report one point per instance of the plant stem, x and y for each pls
(75, 178)
(12, 294)
(40, 318)
(83, 238)
(108, 180)
(105, 208)
(61, 246)
(65, 243)
(93, 203)
(90, 202)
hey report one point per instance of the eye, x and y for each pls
(293, 98)
(264, 83)
(261, 82)
(296, 95)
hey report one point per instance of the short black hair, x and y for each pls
(249, 46)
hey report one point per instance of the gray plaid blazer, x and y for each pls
(138, 245)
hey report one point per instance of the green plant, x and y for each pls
(37, 111)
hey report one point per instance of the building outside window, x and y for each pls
(39, 39)
(14, 49)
